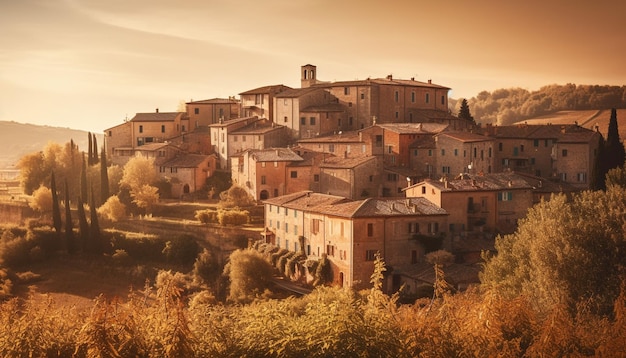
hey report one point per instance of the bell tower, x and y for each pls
(308, 76)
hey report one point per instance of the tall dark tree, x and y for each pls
(95, 239)
(104, 177)
(95, 149)
(56, 211)
(83, 180)
(615, 153)
(69, 225)
(89, 150)
(598, 174)
(464, 112)
(83, 226)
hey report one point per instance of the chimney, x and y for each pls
(412, 78)
(430, 81)
(157, 110)
(390, 77)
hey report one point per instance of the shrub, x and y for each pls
(250, 275)
(206, 216)
(233, 217)
(121, 257)
(113, 210)
(181, 250)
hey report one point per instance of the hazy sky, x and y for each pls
(89, 64)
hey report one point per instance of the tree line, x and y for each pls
(509, 105)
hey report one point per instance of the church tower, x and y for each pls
(307, 76)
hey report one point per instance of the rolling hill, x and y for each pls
(585, 118)
(18, 139)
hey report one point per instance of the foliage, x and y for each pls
(104, 177)
(42, 200)
(249, 274)
(615, 153)
(235, 196)
(206, 216)
(138, 172)
(464, 112)
(113, 209)
(233, 217)
(217, 183)
(616, 177)
(564, 253)
(56, 211)
(506, 106)
(323, 272)
(181, 250)
(145, 197)
(206, 268)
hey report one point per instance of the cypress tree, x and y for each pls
(83, 179)
(615, 152)
(94, 228)
(598, 175)
(83, 226)
(56, 211)
(69, 225)
(464, 112)
(95, 149)
(89, 150)
(104, 177)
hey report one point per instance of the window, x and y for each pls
(285, 119)
(243, 138)
(389, 149)
(278, 225)
(415, 152)
(196, 111)
(370, 229)
(315, 226)
(275, 164)
(312, 121)
(263, 181)
(456, 152)
(234, 138)
(423, 190)
(295, 214)
(392, 177)
(445, 170)
(427, 99)
(346, 91)
(505, 196)
(303, 121)
(286, 211)
(162, 128)
(286, 227)
(430, 152)
(362, 95)
(500, 146)
(536, 143)
(564, 153)
(521, 148)
(413, 97)
(331, 148)
(140, 129)
(397, 96)
(414, 228)
(370, 255)
(443, 152)
(262, 164)
(563, 176)
(397, 114)
(221, 112)
(330, 250)
(443, 99)
(316, 178)
(582, 177)
(379, 140)
(183, 128)
(293, 174)
(371, 178)
(433, 228)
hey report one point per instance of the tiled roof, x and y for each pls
(414, 128)
(275, 155)
(156, 117)
(546, 131)
(258, 127)
(234, 121)
(466, 137)
(487, 182)
(186, 161)
(343, 137)
(296, 92)
(342, 207)
(154, 146)
(426, 141)
(267, 90)
(380, 81)
(344, 163)
(215, 101)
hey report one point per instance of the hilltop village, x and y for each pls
(349, 169)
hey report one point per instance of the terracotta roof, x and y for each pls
(344, 163)
(154, 146)
(398, 207)
(275, 155)
(234, 121)
(156, 117)
(305, 200)
(258, 127)
(426, 141)
(273, 89)
(466, 137)
(413, 128)
(296, 92)
(186, 161)
(343, 137)
(546, 131)
(380, 81)
(487, 182)
(216, 101)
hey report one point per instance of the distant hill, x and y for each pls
(585, 118)
(18, 139)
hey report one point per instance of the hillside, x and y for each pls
(585, 118)
(18, 139)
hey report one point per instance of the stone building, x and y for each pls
(210, 111)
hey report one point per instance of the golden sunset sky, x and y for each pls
(89, 64)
